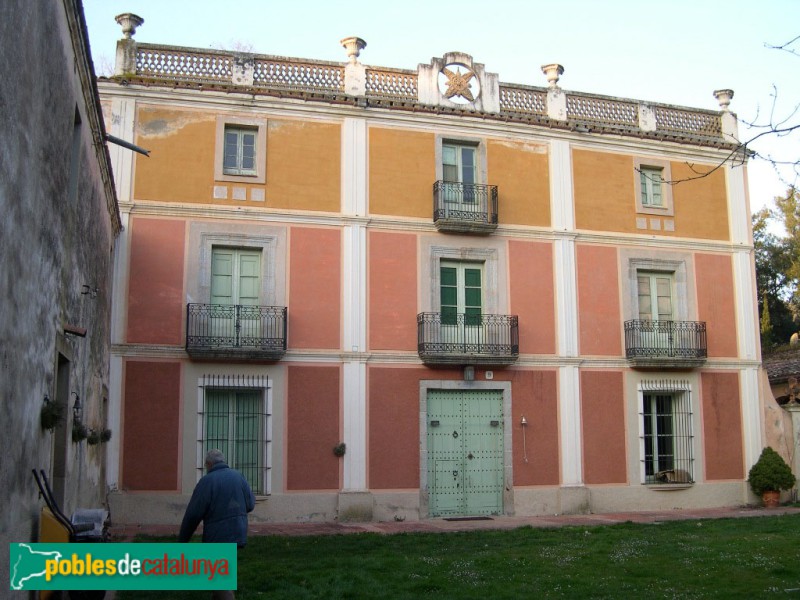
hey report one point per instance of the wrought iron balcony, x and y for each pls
(665, 344)
(235, 331)
(464, 207)
(460, 339)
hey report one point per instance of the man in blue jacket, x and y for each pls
(221, 500)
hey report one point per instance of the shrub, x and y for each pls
(770, 473)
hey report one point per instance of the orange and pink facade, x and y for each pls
(585, 346)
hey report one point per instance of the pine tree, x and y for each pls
(767, 336)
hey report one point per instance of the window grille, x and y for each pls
(666, 435)
(234, 417)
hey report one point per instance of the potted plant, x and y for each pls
(93, 438)
(769, 476)
(52, 414)
(79, 432)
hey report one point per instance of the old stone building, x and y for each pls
(59, 223)
(408, 293)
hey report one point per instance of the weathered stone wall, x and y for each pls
(56, 235)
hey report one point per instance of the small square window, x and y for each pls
(651, 179)
(652, 187)
(241, 149)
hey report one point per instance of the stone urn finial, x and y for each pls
(553, 72)
(129, 22)
(724, 98)
(353, 46)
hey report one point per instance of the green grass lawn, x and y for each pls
(729, 558)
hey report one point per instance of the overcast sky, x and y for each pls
(672, 51)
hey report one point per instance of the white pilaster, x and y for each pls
(354, 313)
(114, 421)
(562, 208)
(119, 301)
(355, 283)
(123, 118)
(569, 409)
(563, 219)
(355, 426)
(738, 208)
(566, 298)
(354, 167)
(118, 310)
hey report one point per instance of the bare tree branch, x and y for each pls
(785, 47)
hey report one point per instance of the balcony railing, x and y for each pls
(464, 207)
(461, 339)
(235, 331)
(665, 344)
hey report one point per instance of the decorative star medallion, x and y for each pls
(459, 84)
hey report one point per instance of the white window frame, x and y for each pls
(241, 382)
(652, 275)
(681, 393)
(260, 128)
(490, 258)
(240, 133)
(666, 208)
(272, 248)
(680, 265)
(480, 155)
(237, 252)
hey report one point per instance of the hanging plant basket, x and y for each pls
(339, 449)
(52, 414)
(79, 432)
(93, 438)
(105, 436)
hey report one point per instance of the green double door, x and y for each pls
(465, 452)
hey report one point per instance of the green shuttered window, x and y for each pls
(234, 424)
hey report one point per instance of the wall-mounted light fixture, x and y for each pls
(523, 422)
(77, 409)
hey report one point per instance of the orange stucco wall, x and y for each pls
(715, 294)
(180, 167)
(600, 328)
(722, 426)
(155, 290)
(392, 291)
(604, 191)
(314, 288)
(534, 396)
(532, 295)
(304, 165)
(151, 426)
(701, 206)
(603, 424)
(312, 428)
(522, 175)
(402, 169)
(394, 435)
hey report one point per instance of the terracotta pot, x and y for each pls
(771, 499)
